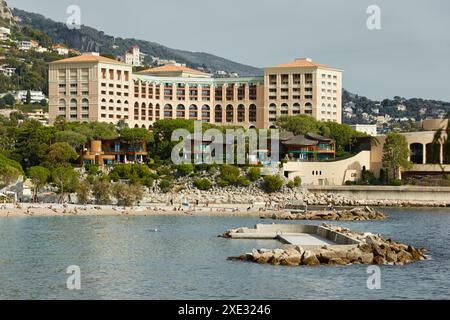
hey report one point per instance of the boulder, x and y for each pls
(379, 260)
(404, 257)
(309, 259)
(264, 257)
(337, 262)
(291, 258)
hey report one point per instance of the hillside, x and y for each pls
(89, 39)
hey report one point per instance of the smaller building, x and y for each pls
(61, 50)
(7, 71)
(134, 56)
(27, 45)
(109, 152)
(309, 147)
(370, 129)
(4, 33)
(36, 96)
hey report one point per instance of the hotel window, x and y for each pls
(252, 92)
(241, 92)
(103, 73)
(296, 78)
(84, 74)
(273, 79)
(103, 115)
(62, 75)
(126, 75)
(73, 75)
(119, 75)
(284, 79)
(230, 92)
(103, 92)
(218, 93)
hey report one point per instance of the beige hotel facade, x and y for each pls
(90, 88)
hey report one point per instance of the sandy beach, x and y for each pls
(50, 210)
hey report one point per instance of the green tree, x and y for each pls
(74, 139)
(395, 154)
(102, 191)
(272, 183)
(135, 137)
(84, 192)
(300, 124)
(66, 179)
(127, 195)
(60, 153)
(10, 171)
(39, 177)
(28, 98)
(9, 100)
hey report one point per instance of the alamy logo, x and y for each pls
(74, 20)
(374, 280)
(74, 280)
(374, 19)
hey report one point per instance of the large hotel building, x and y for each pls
(94, 88)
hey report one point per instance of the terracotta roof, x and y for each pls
(171, 68)
(302, 63)
(318, 137)
(300, 141)
(87, 58)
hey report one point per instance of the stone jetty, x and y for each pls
(351, 248)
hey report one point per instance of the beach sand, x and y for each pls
(50, 210)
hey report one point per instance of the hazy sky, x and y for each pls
(409, 56)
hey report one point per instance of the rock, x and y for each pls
(264, 258)
(309, 259)
(404, 257)
(391, 256)
(291, 259)
(337, 262)
(379, 260)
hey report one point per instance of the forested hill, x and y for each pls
(89, 39)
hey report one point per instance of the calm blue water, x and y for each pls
(122, 258)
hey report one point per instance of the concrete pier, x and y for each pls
(307, 236)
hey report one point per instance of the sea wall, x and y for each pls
(401, 193)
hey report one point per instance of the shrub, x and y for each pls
(165, 185)
(254, 174)
(350, 183)
(203, 184)
(291, 184)
(92, 170)
(297, 182)
(395, 182)
(367, 177)
(229, 175)
(185, 169)
(243, 181)
(272, 183)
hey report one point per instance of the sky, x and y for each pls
(408, 56)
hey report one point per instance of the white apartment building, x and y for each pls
(370, 129)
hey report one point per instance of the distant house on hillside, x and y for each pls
(4, 33)
(27, 45)
(61, 50)
(7, 71)
(134, 56)
(36, 96)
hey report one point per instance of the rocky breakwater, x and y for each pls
(355, 214)
(372, 249)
